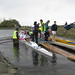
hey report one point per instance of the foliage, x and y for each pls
(66, 33)
(25, 28)
(9, 23)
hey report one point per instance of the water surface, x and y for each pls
(30, 62)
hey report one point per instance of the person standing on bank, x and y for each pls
(42, 24)
(35, 32)
(47, 30)
(54, 30)
(16, 37)
(42, 29)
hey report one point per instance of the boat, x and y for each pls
(33, 46)
(64, 43)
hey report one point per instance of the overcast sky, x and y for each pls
(28, 11)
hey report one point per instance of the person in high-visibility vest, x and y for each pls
(15, 37)
(41, 28)
(42, 24)
(31, 35)
(47, 30)
(31, 32)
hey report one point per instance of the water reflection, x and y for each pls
(39, 59)
(35, 57)
(16, 52)
(43, 60)
(54, 58)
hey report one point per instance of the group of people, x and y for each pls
(39, 28)
(24, 35)
(44, 30)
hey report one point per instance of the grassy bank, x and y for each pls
(66, 33)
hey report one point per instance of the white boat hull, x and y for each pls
(37, 48)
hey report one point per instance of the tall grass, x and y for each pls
(66, 33)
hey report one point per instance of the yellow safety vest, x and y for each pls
(31, 32)
(41, 28)
(14, 35)
(42, 23)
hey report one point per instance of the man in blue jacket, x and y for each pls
(35, 32)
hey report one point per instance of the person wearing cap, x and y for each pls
(16, 37)
(35, 32)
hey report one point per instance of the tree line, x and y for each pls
(9, 23)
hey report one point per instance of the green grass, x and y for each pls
(66, 33)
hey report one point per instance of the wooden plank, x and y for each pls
(57, 50)
(64, 45)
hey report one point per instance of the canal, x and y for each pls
(29, 62)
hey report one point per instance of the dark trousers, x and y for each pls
(35, 37)
(15, 42)
(31, 36)
(46, 36)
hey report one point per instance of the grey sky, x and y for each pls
(28, 11)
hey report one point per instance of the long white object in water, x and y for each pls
(37, 48)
